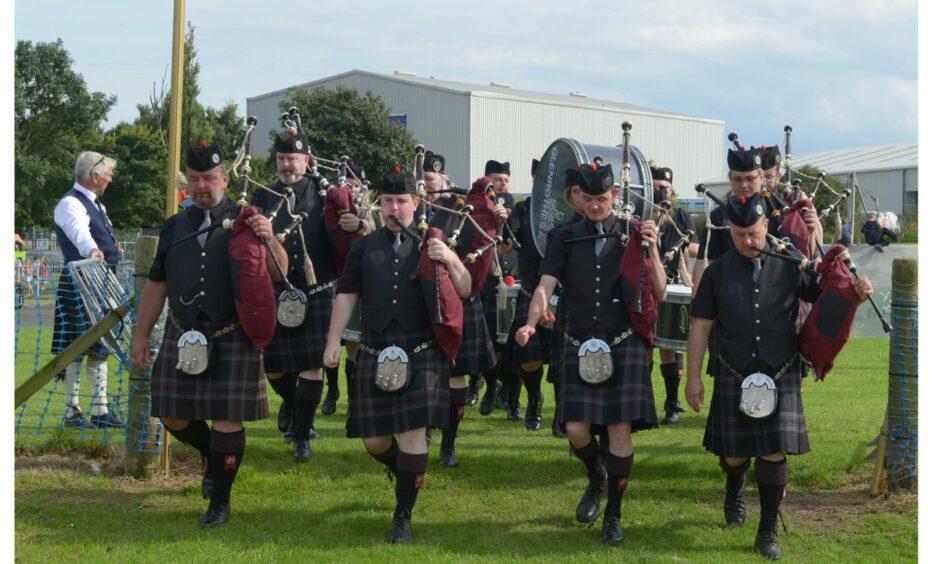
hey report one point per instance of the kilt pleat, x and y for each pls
(294, 349)
(627, 396)
(424, 403)
(232, 388)
(730, 433)
(476, 353)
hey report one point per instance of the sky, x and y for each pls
(841, 73)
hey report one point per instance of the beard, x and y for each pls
(290, 177)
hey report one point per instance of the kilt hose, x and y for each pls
(728, 432)
(70, 320)
(537, 348)
(232, 388)
(294, 349)
(626, 396)
(476, 354)
(425, 402)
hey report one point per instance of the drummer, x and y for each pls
(676, 224)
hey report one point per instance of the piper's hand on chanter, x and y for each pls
(864, 288)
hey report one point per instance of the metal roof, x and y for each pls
(862, 159)
(494, 90)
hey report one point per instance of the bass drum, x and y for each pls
(549, 207)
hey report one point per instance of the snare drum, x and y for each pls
(353, 331)
(507, 315)
(672, 328)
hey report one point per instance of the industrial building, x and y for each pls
(888, 175)
(472, 123)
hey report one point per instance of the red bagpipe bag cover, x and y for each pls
(254, 295)
(631, 263)
(449, 333)
(794, 227)
(337, 200)
(828, 326)
(482, 214)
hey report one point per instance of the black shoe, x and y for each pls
(301, 450)
(401, 530)
(671, 415)
(735, 510)
(612, 534)
(532, 417)
(76, 420)
(284, 418)
(514, 411)
(448, 457)
(106, 420)
(766, 543)
(288, 437)
(472, 393)
(587, 510)
(217, 514)
(490, 398)
(556, 431)
(207, 484)
(329, 406)
(679, 407)
(312, 432)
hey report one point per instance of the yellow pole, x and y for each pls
(174, 142)
(174, 111)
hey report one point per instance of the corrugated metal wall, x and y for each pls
(518, 130)
(438, 119)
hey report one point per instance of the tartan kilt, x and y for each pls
(294, 349)
(476, 353)
(555, 369)
(728, 432)
(537, 348)
(490, 311)
(232, 388)
(70, 320)
(627, 396)
(424, 403)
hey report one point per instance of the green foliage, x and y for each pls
(136, 197)
(56, 117)
(341, 122)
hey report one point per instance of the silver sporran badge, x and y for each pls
(595, 361)
(393, 371)
(193, 353)
(292, 308)
(758, 396)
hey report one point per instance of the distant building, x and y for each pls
(472, 123)
(889, 173)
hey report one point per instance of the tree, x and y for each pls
(136, 196)
(341, 122)
(56, 117)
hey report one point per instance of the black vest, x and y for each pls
(200, 281)
(391, 287)
(318, 237)
(592, 290)
(101, 232)
(756, 323)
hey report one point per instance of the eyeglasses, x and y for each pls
(102, 159)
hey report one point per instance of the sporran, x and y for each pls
(394, 370)
(595, 361)
(292, 308)
(193, 353)
(758, 396)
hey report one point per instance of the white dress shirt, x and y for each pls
(72, 217)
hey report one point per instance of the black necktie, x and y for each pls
(396, 246)
(757, 268)
(202, 238)
(599, 243)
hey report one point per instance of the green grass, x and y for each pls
(511, 499)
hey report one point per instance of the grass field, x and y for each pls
(511, 499)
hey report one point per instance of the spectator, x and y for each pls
(874, 233)
(845, 232)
